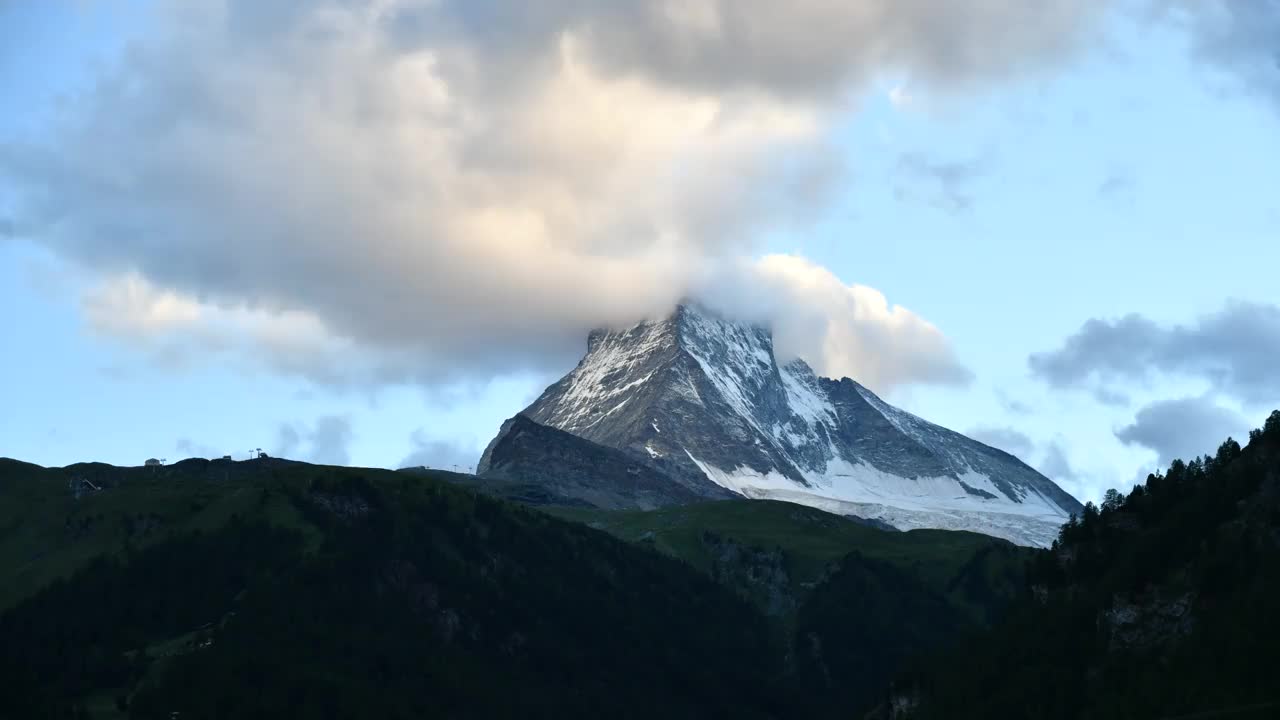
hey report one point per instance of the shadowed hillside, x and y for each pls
(1156, 604)
(220, 589)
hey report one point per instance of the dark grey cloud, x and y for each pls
(946, 184)
(326, 441)
(1183, 428)
(436, 453)
(1004, 438)
(1238, 37)
(1235, 349)
(394, 191)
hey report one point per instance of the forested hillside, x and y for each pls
(1161, 603)
(218, 589)
(414, 599)
(273, 588)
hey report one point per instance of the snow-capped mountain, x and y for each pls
(703, 400)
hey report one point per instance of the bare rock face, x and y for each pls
(569, 470)
(1152, 619)
(704, 402)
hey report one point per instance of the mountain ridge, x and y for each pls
(700, 398)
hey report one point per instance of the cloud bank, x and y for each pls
(437, 190)
(1183, 428)
(1237, 37)
(1233, 349)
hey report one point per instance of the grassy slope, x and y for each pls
(812, 540)
(47, 533)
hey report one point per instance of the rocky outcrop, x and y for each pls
(1152, 619)
(758, 574)
(566, 470)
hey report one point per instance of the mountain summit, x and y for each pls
(704, 401)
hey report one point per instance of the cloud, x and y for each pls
(1013, 405)
(428, 191)
(1004, 438)
(187, 448)
(287, 440)
(843, 330)
(436, 453)
(1234, 349)
(175, 331)
(942, 183)
(1237, 37)
(1183, 428)
(900, 97)
(130, 307)
(1056, 467)
(800, 48)
(327, 441)
(330, 439)
(1085, 485)
(1110, 396)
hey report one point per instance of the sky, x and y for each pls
(368, 232)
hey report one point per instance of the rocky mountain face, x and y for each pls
(540, 464)
(704, 402)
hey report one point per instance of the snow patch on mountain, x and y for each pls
(807, 399)
(905, 503)
(704, 398)
(732, 358)
(1020, 529)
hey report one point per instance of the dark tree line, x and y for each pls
(1157, 603)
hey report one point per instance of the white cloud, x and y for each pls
(128, 306)
(842, 330)
(448, 190)
(900, 97)
(177, 330)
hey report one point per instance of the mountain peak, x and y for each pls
(688, 322)
(703, 400)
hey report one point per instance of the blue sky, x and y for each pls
(1134, 173)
